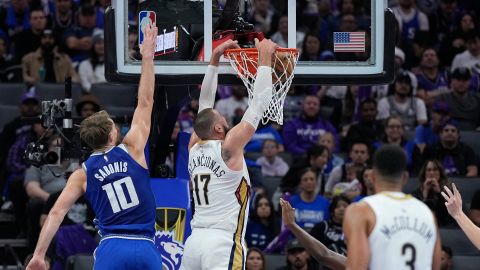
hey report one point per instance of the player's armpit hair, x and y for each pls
(226, 155)
(203, 124)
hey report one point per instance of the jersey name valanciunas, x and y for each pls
(221, 195)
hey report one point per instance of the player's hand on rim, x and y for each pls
(147, 49)
(453, 201)
(229, 44)
(266, 46)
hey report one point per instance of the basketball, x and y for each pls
(283, 65)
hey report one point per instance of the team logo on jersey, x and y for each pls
(169, 236)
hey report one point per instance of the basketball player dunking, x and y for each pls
(126, 221)
(218, 172)
(389, 230)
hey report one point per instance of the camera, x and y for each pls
(56, 115)
(55, 110)
(37, 155)
(240, 25)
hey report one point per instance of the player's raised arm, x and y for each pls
(356, 229)
(314, 247)
(137, 137)
(437, 252)
(70, 194)
(454, 207)
(240, 135)
(210, 82)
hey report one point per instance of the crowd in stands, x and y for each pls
(320, 157)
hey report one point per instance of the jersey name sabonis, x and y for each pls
(115, 167)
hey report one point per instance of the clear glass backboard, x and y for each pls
(351, 42)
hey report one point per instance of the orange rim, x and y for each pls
(252, 53)
(255, 51)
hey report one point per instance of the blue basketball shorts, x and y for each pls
(121, 253)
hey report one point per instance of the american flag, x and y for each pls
(349, 41)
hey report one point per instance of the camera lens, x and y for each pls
(51, 158)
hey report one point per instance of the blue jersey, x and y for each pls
(118, 189)
(439, 83)
(307, 214)
(262, 134)
(409, 28)
(425, 135)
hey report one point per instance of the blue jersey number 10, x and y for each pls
(116, 195)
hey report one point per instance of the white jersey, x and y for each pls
(221, 195)
(404, 235)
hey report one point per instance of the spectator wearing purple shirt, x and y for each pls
(14, 130)
(302, 132)
(431, 80)
(456, 157)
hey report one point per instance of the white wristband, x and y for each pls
(262, 95)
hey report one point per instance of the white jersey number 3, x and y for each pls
(117, 197)
(410, 254)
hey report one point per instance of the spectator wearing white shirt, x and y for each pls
(470, 58)
(270, 162)
(233, 107)
(402, 103)
(92, 70)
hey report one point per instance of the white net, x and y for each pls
(245, 63)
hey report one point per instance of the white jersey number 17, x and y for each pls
(200, 185)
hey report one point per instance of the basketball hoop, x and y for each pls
(245, 63)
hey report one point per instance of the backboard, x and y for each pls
(352, 43)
